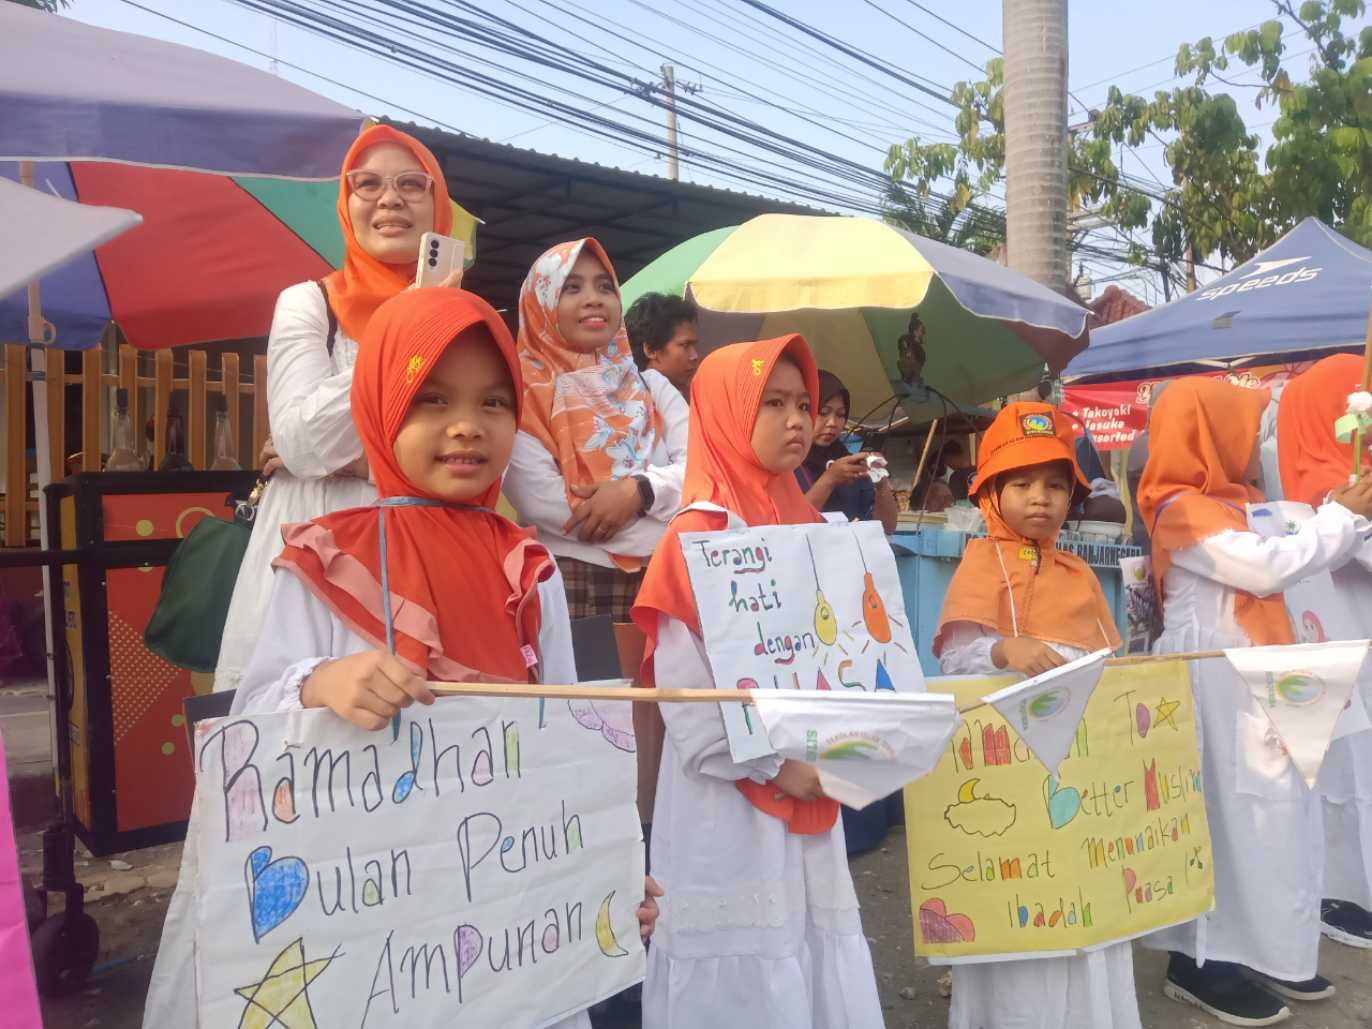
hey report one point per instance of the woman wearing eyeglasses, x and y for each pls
(391, 192)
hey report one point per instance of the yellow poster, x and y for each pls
(1006, 859)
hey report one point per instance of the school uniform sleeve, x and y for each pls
(555, 632)
(1262, 566)
(967, 649)
(697, 730)
(667, 479)
(308, 403)
(298, 635)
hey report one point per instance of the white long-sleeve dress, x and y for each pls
(300, 634)
(308, 403)
(1266, 826)
(759, 927)
(1094, 990)
(535, 488)
(1346, 777)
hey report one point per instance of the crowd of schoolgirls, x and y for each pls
(401, 415)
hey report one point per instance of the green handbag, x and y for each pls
(188, 623)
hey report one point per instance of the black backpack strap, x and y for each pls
(333, 320)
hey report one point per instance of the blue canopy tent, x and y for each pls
(1305, 295)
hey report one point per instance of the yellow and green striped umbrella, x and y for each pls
(851, 287)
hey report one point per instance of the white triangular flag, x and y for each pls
(1047, 709)
(865, 745)
(1303, 690)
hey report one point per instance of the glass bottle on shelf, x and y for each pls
(176, 459)
(123, 457)
(223, 445)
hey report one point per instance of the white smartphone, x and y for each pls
(439, 256)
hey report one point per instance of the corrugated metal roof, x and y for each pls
(529, 200)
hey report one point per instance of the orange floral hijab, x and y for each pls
(487, 628)
(363, 283)
(722, 469)
(1312, 461)
(1009, 582)
(1201, 438)
(592, 412)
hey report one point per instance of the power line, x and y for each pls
(945, 21)
(852, 52)
(929, 39)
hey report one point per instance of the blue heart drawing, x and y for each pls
(1063, 802)
(275, 889)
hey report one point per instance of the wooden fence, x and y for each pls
(148, 394)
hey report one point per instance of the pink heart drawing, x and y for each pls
(937, 926)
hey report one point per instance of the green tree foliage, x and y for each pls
(1226, 198)
(44, 5)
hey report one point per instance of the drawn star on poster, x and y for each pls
(281, 998)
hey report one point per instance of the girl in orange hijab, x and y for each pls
(390, 192)
(1221, 587)
(1312, 465)
(1019, 603)
(761, 925)
(429, 582)
(598, 462)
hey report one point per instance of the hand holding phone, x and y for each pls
(439, 257)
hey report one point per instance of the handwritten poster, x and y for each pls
(483, 867)
(806, 607)
(1011, 861)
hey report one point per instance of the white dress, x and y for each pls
(300, 635)
(1085, 991)
(535, 489)
(312, 429)
(759, 927)
(1346, 777)
(1266, 827)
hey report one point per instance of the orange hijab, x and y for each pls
(1312, 461)
(1201, 438)
(363, 283)
(592, 412)
(723, 469)
(1009, 582)
(463, 580)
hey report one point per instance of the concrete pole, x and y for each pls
(1036, 139)
(669, 90)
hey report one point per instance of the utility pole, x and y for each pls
(669, 90)
(1036, 141)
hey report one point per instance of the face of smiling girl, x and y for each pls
(457, 436)
(785, 425)
(588, 309)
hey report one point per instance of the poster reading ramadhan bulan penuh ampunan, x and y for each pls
(1008, 859)
(482, 865)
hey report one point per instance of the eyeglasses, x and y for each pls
(369, 185)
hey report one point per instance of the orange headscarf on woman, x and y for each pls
(722, 469)
(1009, 582)
(593, 412)
(363, 283)
(1312, 461)
(463, 579)
(1201, 439)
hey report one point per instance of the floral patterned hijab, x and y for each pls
(593, 412)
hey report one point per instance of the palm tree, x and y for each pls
(978, 229)
(44, 5)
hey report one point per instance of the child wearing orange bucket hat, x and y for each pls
(1019, 603)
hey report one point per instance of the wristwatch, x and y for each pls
(645, 493)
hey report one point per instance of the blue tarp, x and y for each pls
(1306, 293)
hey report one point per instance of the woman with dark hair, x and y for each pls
(835, 480)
